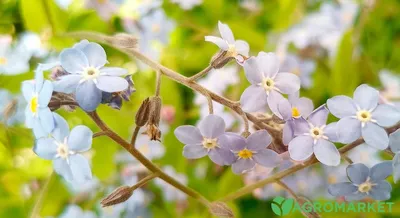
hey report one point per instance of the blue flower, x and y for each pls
(365, 182)
(38, 94)
(88, 77)
(13, 59)
(64, 148)
(362, 116)
(394, 144)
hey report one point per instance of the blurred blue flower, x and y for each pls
(251, 150)
(394, 143)
(238, 49)
(105, 8)
(11, 108)
(13, 59)
(187, 4)
(267, 83)
(38, 94)
(391, 88)
(300, 67)
(365, 182)
(88, 77)
(362, 116)
(206, 139)
(74, 211)
(64, 148)
(313, 136)
(170, 192)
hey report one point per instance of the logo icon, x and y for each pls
(282, 206)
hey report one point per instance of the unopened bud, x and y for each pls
(220, 59)
(155, 110)
(124, 40)
(119, 195)
(220, 209)
(153, 132)
(142, 116)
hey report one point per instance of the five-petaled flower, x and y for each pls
(292, 109)
(251, 150)
(64, 148)
(238, 49)
(266, 83)
(88, 77)
(313, 136)
(206, 140)
(362, 116)
(38, 94)
(364, 182)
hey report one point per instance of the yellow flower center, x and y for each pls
(364, 116)
(62, 150)
(101, 1)
(3, 60)
(231, 51)
(245, 154)
(91, 73)
(295, 112)
(316, 133)
(34, 104)
(268, 84)
(332, 179)
(210, 143)
(365, 187)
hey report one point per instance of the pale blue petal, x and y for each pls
(253, 99)
(113, 71)
(273, 100)
(319, 116)
(194, 151)
(222, 156)
(222, 44)
(341, 189)
(80, 168)
(252, 71)
(287, 132)
(287, 83)
(304, 105)
(29, 119)
(268, 64)
(366, 97)
(357, 173)
(61, 130)
(285, 109)
(381, 171)
(381, 191)
(300, 126)
(375, 136)
(88, 96)
(67, 84)
(188, 134)
(82, 44)
(38, 130)
(46, 148)
(242, 47)
(243, 165)
(73, 60)
(301, 148)
(212, 126)
(348, 129)
(38, 79)
(46, 119)
(80, 139)
(226, 32)
(111, 83)
(330, 131)
(326, 152)
(61, 167)
(386, 115)
(341, 106)
(259, 140)
(267, 158)
(28, 89)
(95, 54)
(394, 141)
(232, 141)
(45, 94)
(356, 196)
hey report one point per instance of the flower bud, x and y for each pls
(153, 132)
(142, 116)
(155, 110)
(220, 209)
(119, 195)
(220, 59)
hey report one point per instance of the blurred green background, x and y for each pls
(347, 43)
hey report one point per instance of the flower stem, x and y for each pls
(144, 181)
(200, 74)
(134, 136)
(158, 83)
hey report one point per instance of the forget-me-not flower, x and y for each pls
(64, 148)
(206, 140)
(38, 93)
(365, 182)
(362, 116)
(300, 67)
(394, 143)
(313, 136)
(238, 49)
(88, 77)
(251, 150)
(267, 83)
(13, 59)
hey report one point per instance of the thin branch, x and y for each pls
(144, 181)
(39, 201)
(346, 158)
(134, 136)
(158, 83)
(200, 74)
(98, 134)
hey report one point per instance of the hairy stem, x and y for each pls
(134, 136)
(144, 181)
(200, 74)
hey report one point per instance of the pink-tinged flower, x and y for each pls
(313, 136)
(251, 150)
(267, 85)
(206, 139)
(362, 116)
(235, 48)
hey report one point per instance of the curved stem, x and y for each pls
(134, 136)
(39, 201)
(200, 74)
(146, 162)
